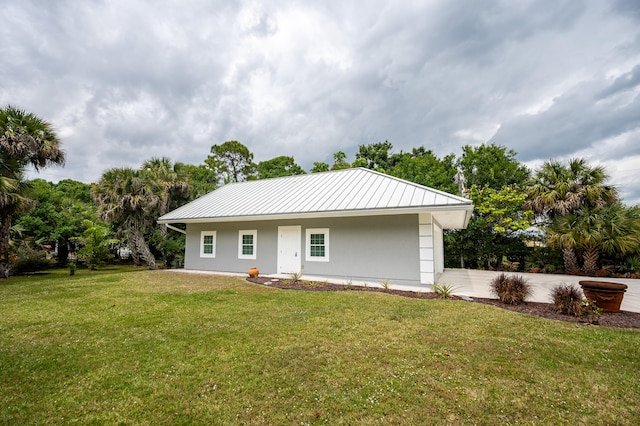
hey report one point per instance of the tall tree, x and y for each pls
(502, 210)
(590, 231)
(166, 184)
(58, 214)
(201, 179)
(25, 140)
(340, 161)
(491, 166)
(561, 190)
(377, 156)
(232, 161)
(319, 166)
(277, 167)
(129, 201)
(495, 229)
(425, 168)
(493, 177)
(558, 189)
(174, 190)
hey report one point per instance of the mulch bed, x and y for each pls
(624, 319)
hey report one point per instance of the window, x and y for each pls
(317, 245)
(247, 241)
(208, 244)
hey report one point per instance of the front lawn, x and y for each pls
(162, 347)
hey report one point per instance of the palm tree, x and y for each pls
(25, 140)
(613, 230)
(161, 172)
(200, 179)
(340, 161)
(560, 190)
(129, 201)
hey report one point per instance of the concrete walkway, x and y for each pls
(474, 283)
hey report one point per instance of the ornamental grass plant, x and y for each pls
(567, 299)
(511, 289)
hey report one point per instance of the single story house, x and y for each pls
(355, 224)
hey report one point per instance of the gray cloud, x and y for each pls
(585, 116)
(125, 81)
(622, 83)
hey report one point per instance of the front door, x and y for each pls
(289, 241)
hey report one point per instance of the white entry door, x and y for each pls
(289, 255)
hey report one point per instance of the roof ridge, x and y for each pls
(288, 177)
(365, 169)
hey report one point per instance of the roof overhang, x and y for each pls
(449, 217)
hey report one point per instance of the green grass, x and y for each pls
(160, 347)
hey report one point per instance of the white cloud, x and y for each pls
(126, 80)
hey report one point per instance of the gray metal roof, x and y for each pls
(356, 191)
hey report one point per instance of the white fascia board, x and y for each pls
(315, 215)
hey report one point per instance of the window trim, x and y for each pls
(242, 233)
(309, 232)
(202, 244)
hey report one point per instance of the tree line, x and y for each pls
(560, 217)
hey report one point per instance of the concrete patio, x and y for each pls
(474, 283)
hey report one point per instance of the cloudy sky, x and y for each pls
(126, 80)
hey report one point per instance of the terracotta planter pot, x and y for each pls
(253, 272)
(607, 295)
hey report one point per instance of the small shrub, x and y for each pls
(29, 260)
(385, 284)
(567, 299)
(445, 291)
(544, 259)
(295, 277)
(177, 262)
(512, 290)
(591, 312)
(312, 284)
(499, 282)
(631, 265)
(507, 265)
